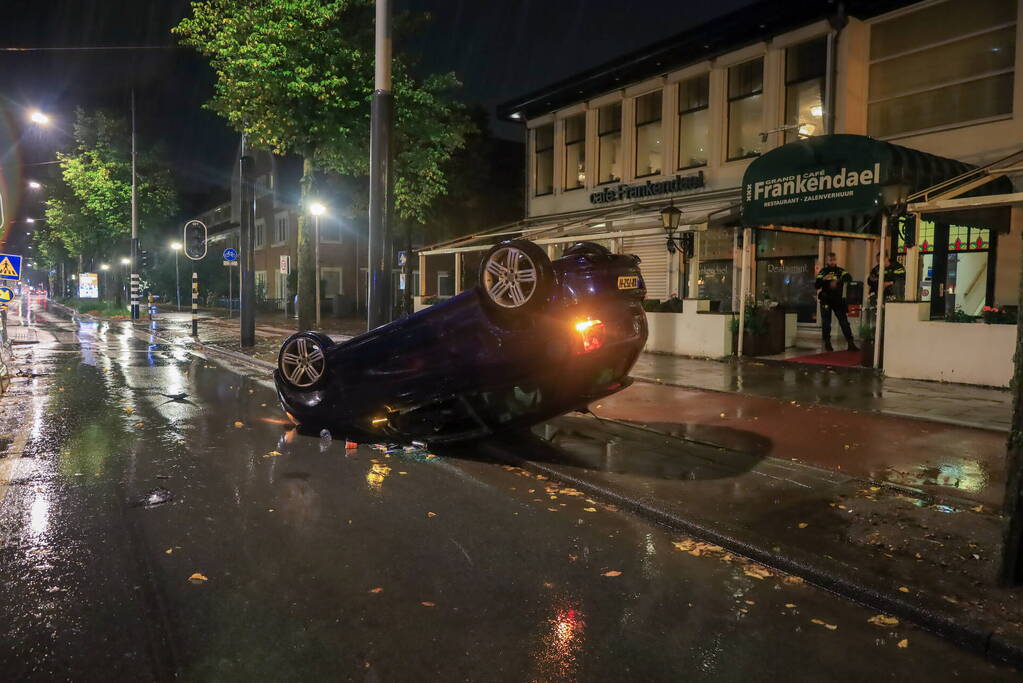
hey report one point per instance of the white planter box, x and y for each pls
(916, 347)
(690, 333)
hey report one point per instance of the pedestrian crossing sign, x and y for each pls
(6, 294)
(10, 267)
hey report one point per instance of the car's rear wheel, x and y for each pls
(303, 360)
(515, 276)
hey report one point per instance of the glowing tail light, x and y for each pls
(591, 333)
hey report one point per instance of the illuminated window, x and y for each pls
(281, 229)
(648, 134)
(544, 148)
(575, 152)
(745, 109)
(693, 121)
(805, 67)
(943, 64)
(609, 133)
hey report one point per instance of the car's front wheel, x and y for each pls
(515, 275)
(303, 360)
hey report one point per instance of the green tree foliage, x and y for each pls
(296, 76)
(88, 212)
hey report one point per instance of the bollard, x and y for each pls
(195, 304)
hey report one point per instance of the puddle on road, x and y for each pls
(965, 476)
(609, 447)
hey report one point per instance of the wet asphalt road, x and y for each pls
(143, 465)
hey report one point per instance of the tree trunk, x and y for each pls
(306, 256)
(1012, 507)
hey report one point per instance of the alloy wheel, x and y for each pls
(302, 362)
(510, 277)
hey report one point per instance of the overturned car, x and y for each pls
(532, 340)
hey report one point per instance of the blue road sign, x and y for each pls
(230, 254)
(10, 267)
(6, 294)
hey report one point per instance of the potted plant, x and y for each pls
(764, 332)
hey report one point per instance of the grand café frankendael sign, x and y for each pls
(835, 181)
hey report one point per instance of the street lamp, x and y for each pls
(670, 220)
(30, 220)
(34, 184)
(38, 117)
(317, 209)
(176, 246)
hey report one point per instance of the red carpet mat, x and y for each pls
(841, 358)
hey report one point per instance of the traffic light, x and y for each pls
(195, 240)
(144, 259)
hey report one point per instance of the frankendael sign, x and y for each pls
(650, 188)
(816, 178)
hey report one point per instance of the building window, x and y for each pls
(281, 229)
(544, 147)
(330, 282)
(609, 148)
(260, 234)
(805, 69)
(648, 134)
(745, 109)
(693, 121)
(330, 230)
(942, 65)
(575, 152)
(260, 277)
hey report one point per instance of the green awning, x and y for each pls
(835, 183)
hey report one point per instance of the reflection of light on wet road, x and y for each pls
(39, 514)
(557, 657)
(376, 476)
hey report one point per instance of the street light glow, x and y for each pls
(39, 117)
(317, 209)
(30, 220)
(125, 261)
(35, 185)
(175, 246)
(104, 266)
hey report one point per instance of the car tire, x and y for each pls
(515, 276)
(302, 360)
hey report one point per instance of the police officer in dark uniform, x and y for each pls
(830, 281)
(893, 272)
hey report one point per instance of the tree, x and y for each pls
(296, 76)
(88, 212)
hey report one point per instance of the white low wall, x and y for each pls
(690, 333)
(916, 347)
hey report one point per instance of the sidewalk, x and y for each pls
(857, 390)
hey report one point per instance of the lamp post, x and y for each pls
(104, 267)
(670, 220)
(317, 209)
(125, 262)
(176, 246)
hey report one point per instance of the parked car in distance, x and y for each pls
(532, 340)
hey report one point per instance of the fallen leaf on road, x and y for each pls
(426, 603)
(979, 508)
(262, 405)
(757, 572)
(722, 415)
(169, 550)
(792, 580)
(904, 643)
(431, 456)
(830, 627)
(589, 509)
(573, 558)
(431, 514)
(402, 472)
(882, 620)
(903, 589)
(239, 424)
(197, 578)
(377, 590)
(613, 572)
(272, 454)
(803, 525)
(129, 410)
(790, 605)
(552, 509)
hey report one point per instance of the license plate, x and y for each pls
(628, 281)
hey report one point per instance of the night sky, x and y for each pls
(500, 48)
